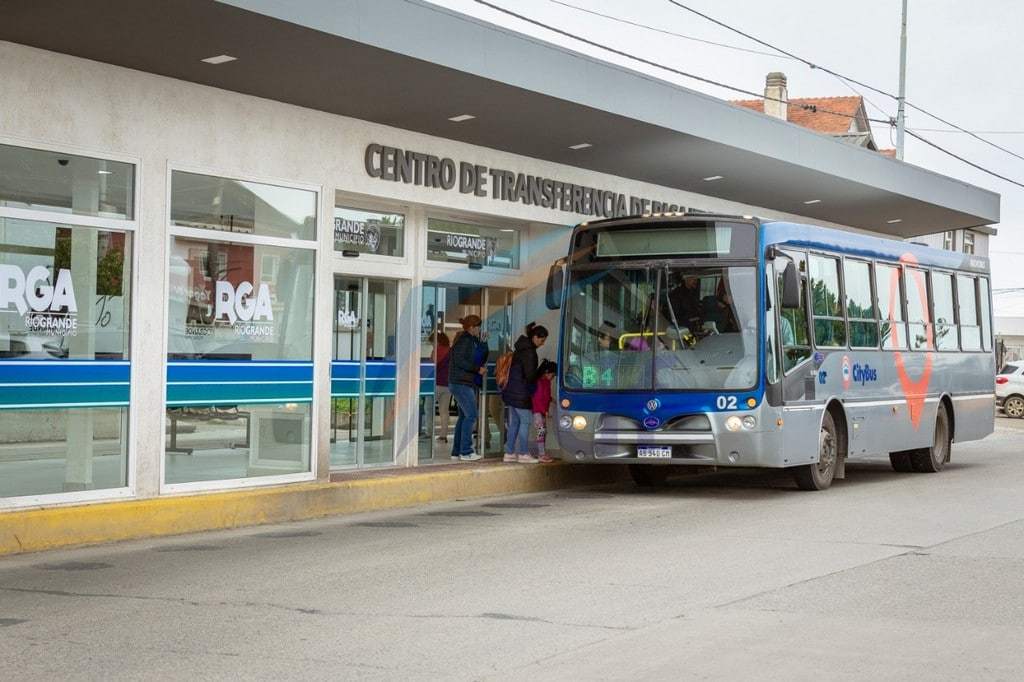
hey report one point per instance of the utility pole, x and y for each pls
(900, 115)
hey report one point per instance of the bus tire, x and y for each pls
(819, 476)
(901, 461)
(931, 460)
(648, 475)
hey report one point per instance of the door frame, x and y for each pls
(364, 291)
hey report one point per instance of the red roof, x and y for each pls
(816, 113)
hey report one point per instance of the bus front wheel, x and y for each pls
(819, 476)
(648, 475)
(931, 460)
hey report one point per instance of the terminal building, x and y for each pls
(233, 232)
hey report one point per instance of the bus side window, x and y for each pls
(967, 308)
(829, 323)
(916, 286)
(942, 307)
(793, 332)
(859, 304)
(984, 304)
(889, 290)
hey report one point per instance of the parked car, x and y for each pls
(1010, 390)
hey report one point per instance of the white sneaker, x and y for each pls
(528, 459)
(510, 458)
(471, 457)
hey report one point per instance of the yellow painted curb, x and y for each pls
(35, 530)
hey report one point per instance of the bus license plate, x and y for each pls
(654, 452)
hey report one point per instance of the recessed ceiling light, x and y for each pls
(219, 59)
(461, 117)
(894, 221)
(505, 229)
(581, 145)
(105, 172)
(712, 178)
(813, 201)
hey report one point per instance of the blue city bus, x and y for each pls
(725, 341)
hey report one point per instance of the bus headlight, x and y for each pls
(579, 422)
(734, 423)
(565, 423)
(749, 422)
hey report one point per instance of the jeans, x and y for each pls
(466, 400)
(518, 439)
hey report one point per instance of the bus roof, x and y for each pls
(867, 246)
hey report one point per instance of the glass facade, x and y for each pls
(65, 183)
(65, 301)
(364, 372)
(239, 337)
(370, 232)
(449, 241)
(242, 207)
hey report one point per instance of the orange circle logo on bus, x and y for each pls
(915, 391)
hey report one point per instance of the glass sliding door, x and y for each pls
(363, 372)
(443, 306)
(498, 328)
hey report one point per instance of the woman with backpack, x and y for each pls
(517, 392)
(465, 370)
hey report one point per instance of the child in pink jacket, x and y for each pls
(541, 403)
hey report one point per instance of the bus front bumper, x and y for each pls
(717, 447)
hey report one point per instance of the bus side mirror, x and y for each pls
(556, 282)
(790, 287)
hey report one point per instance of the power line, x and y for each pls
(648, 27)
(780, 50)
(726, 86)
(839, 75)
(960, 158)
(655, 29)
(979, 132)
(656, 65)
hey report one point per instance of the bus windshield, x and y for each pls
(662, 328)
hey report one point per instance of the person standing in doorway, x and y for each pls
(442, 396)
(518, 394)
(464, 371)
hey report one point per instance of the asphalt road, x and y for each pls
(729, 576)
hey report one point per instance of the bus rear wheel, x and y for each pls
(931, 460)
(901, 461)
(648, 475)
(819, 476)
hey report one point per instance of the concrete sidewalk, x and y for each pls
(45, 528)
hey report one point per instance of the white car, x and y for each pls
(1010, 390)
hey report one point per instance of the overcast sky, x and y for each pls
(964, 64)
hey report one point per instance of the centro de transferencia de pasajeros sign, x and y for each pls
(427, 170)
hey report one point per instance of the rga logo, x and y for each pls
(864, 374)
(348, 319)
(237, 304)
(48, 309)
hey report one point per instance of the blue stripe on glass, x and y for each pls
(26, 384)
(232, 382)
